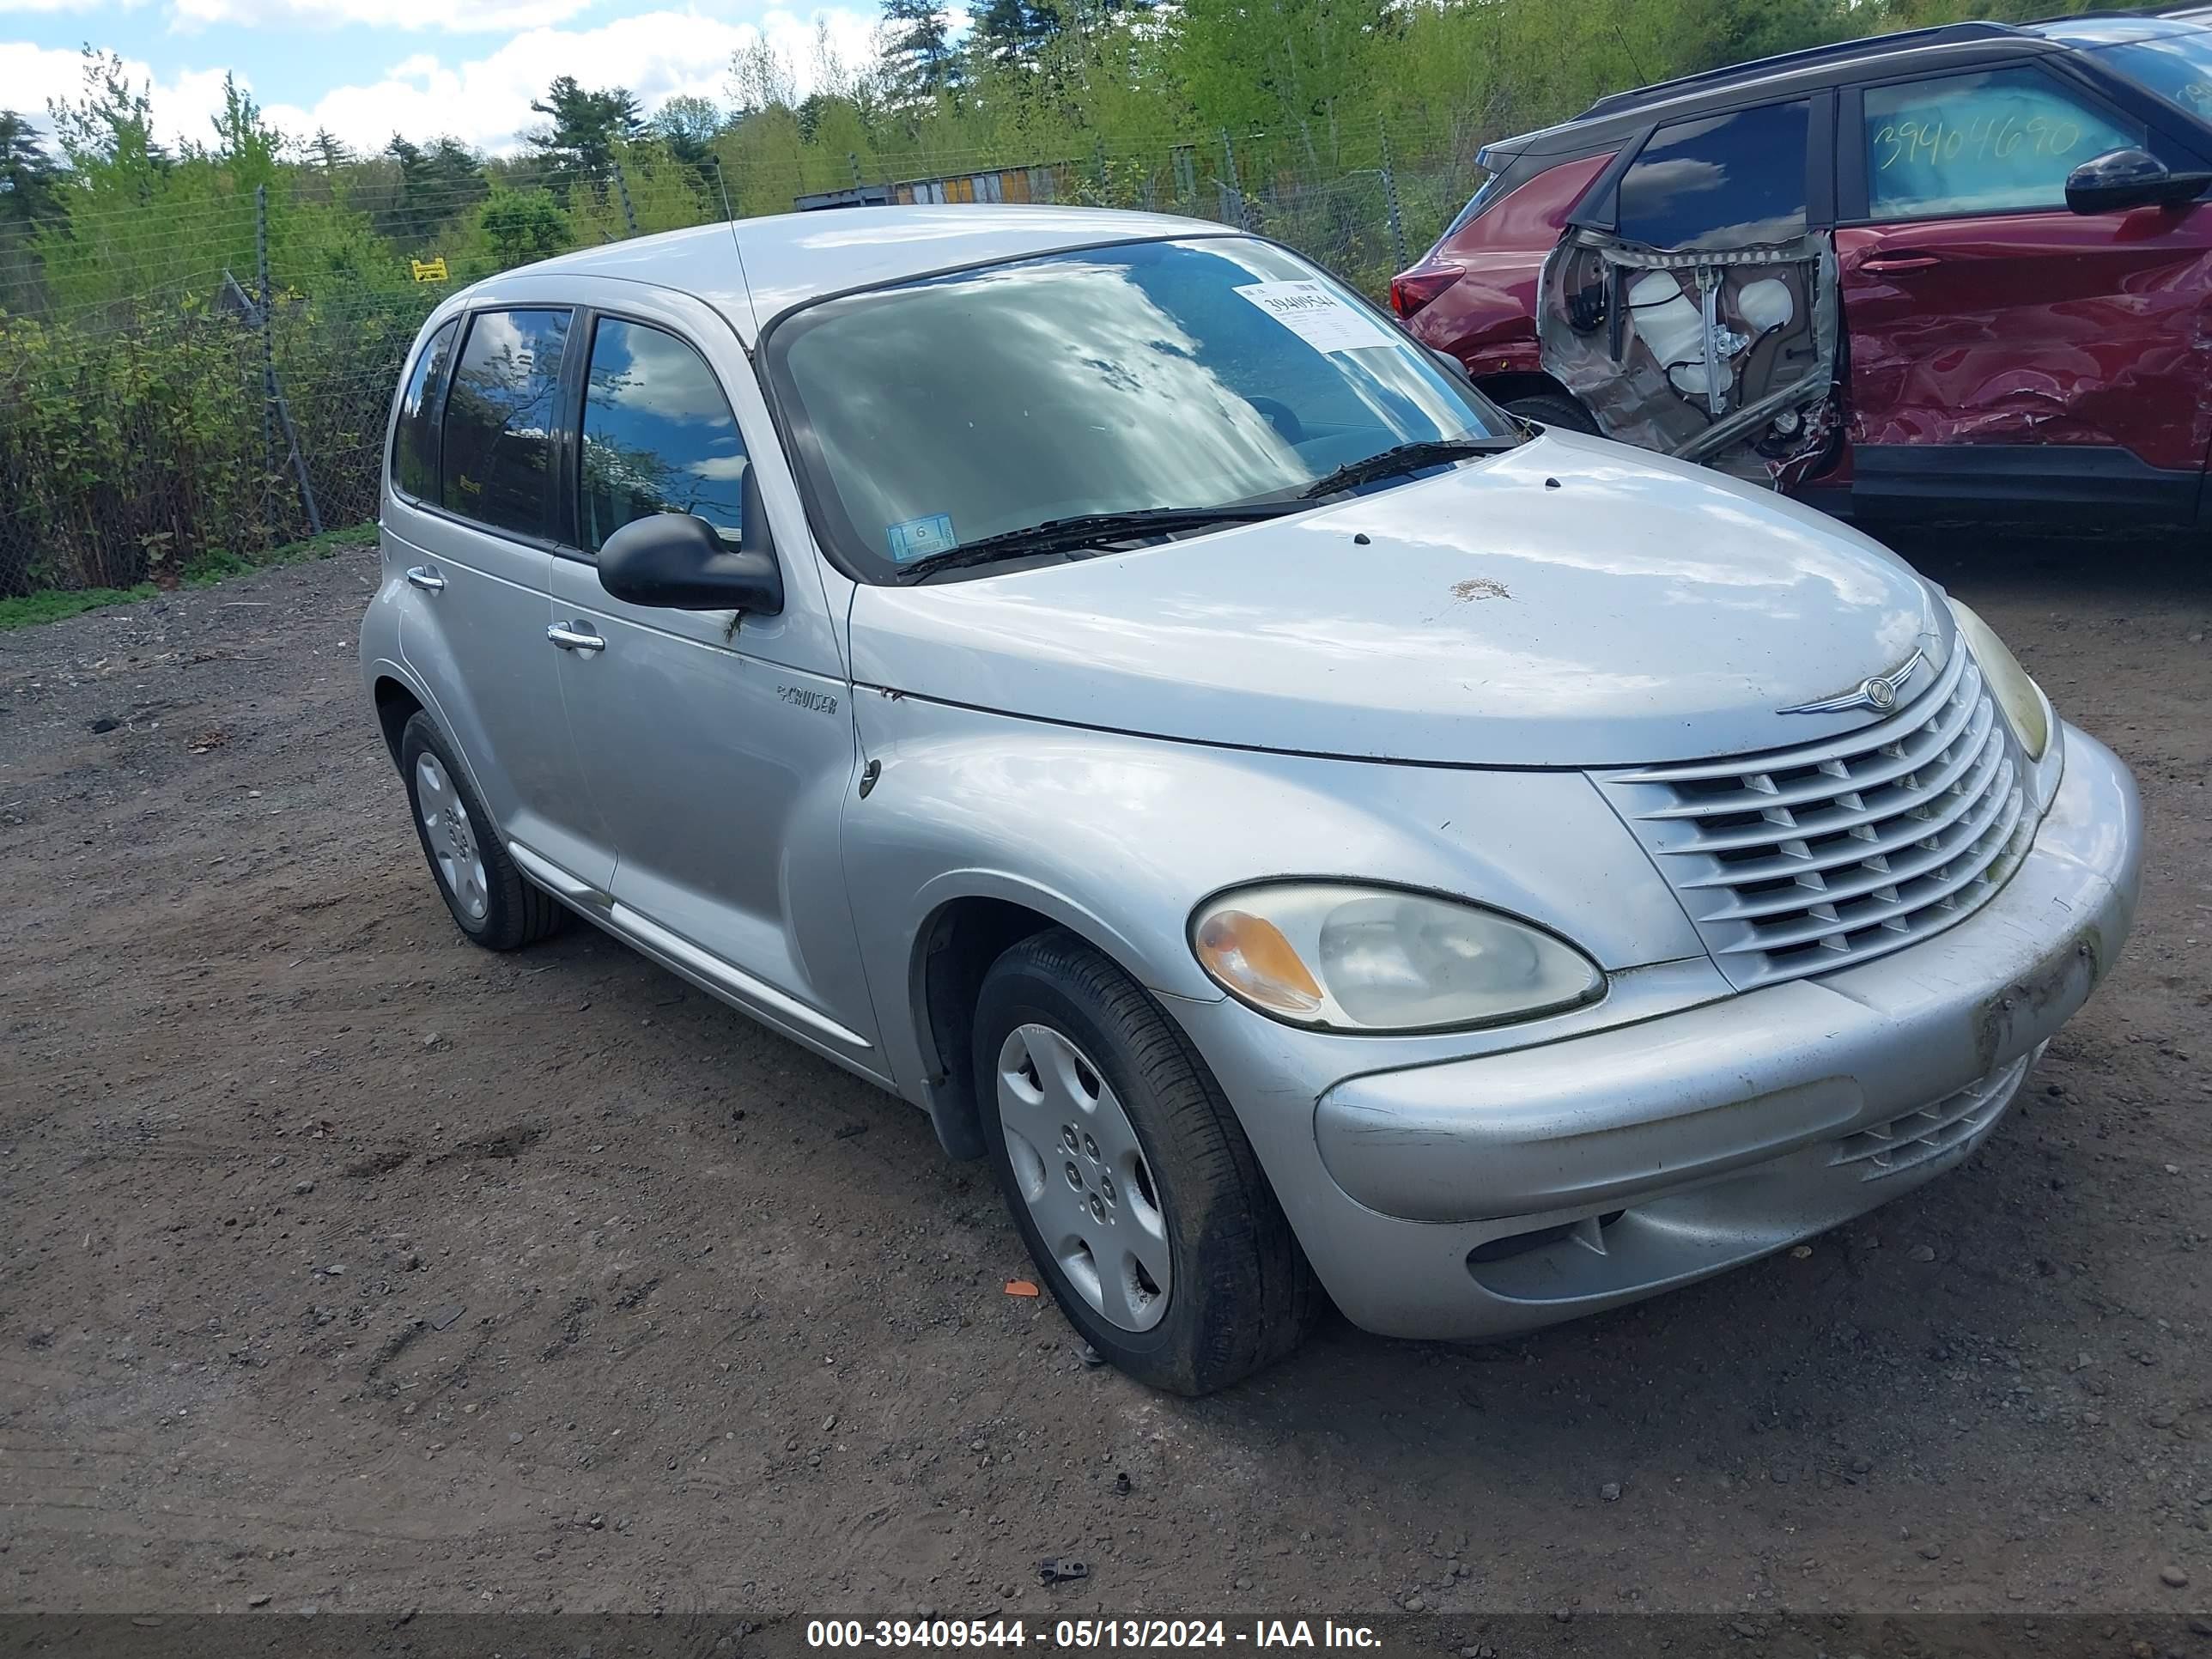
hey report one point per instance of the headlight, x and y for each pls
(1379, 959)
(2016, 694)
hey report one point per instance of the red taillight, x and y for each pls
(1412, 289)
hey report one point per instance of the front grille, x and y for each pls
(1904, 1143)
(1799, 861)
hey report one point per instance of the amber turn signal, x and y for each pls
(1249, 955)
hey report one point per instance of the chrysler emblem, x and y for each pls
(1879, 692)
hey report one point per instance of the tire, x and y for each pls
(1554, 409)
(489, 900)
(1174, 1181)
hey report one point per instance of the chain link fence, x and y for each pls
(215, 401)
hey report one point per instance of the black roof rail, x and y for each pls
(1808, 57)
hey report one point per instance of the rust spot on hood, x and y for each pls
(1480, 588)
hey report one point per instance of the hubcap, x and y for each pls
(1079, 1163)
(451, 838)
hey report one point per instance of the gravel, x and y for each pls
(230, 979)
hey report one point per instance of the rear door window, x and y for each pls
(1999, 141)
(414, 438)
(658, 435)
(501, 417)
(1720, 181)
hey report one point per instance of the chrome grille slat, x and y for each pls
(1886, 802)
(1834, 924)
(1905, 870)
(1983, 761)
(1802, 860)
(1868, 776)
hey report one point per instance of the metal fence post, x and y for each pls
(267, 324)
(1390, 203)
(1235, 186)
(621, 190)
(274, 408)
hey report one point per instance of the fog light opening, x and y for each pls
(1590, 1229)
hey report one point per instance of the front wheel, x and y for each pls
(1130, 1179)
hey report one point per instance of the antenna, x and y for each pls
(731, 220)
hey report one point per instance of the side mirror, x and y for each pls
(2122, 179)
(1451, 366)
(678, 562)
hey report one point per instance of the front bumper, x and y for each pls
(1484, 1196)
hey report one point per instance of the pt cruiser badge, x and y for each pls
(1876, 691)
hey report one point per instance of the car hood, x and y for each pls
(1571, 602)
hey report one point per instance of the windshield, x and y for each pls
(2176, 63)
(931, 416)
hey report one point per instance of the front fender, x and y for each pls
(1119, 837)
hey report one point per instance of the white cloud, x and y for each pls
(183, 104)
(461, 16)
(485, 100)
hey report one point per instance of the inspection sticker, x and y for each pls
(918, 538)
(1317, 316)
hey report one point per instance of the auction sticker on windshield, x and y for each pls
(1317, 316)
(919, 538)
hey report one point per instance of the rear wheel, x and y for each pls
(489, 900)
(1130, 1179)
(1554, 409)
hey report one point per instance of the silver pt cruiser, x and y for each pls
(1088, 674)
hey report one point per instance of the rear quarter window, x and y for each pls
(415, 436)
(1731, 180)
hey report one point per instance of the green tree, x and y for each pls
(584, 129)
(1014, 31)
(110, 122)
(28, 174)
(29, 180)
(687, 125)
(329, 151)
(520, 226)
(919, 60)
(760, 79)
(437, 184)
(246, 146)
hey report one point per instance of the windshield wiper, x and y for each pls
(1090, 529)
(1404, 458)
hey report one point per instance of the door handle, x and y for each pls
(427, 580)
(1891, 265)
(574, 639)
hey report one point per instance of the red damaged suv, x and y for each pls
(1963, 267)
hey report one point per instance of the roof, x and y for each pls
(1816, 66)
(792, 257)
(1783, 75)
(1810, 58)
(2106, 28)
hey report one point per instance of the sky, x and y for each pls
(366, 69)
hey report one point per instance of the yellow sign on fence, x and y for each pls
(430, 270)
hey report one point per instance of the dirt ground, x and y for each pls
(347, 1265)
